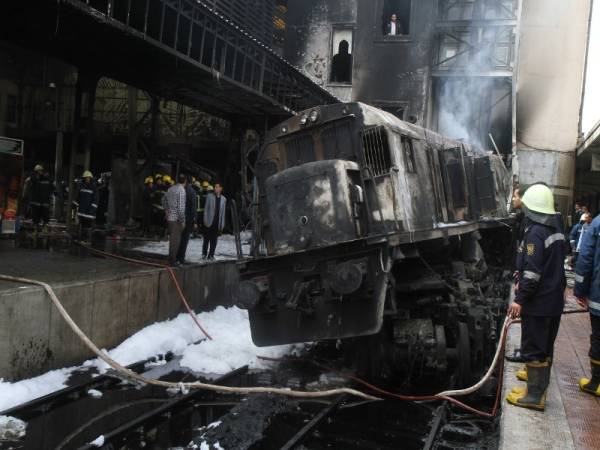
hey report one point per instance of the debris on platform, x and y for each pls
(11, 428)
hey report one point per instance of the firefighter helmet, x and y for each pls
(538, 198)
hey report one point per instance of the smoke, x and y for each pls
(464, 101)
(457, 117)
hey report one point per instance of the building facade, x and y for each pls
(504, 75)
(444, 64)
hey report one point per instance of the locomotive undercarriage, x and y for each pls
(441, 302)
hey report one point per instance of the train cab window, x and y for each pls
(455, 176)
(395, 18)
(376, 150)
(409, 155)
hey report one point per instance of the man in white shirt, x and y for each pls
(393, 27)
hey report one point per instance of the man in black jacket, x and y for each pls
(87, 203)
(191, 204)
(539, 298)
(41, 189)
(393, 27)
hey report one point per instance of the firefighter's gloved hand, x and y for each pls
(582, 301)
(514, 310)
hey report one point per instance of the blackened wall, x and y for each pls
(393, 71)
(387, 71)
(309, 35)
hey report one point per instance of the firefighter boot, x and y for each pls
(534, 396)
(522, 373)
(592, 386)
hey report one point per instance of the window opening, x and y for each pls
(409, 155)
(341, 60)
(455, 178)
(396, 110)
(376, 150)
(396, 17)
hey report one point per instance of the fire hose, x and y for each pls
(445, 395)
(167, 384)
(151, 264)
(250, 390)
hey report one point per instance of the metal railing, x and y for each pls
(194, 32)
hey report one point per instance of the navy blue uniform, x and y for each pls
(542, 282)
(540, 262)
(587, 281)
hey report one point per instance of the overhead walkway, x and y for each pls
(178, 49)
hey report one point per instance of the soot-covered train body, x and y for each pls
(360, 220)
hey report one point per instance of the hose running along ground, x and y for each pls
(151, 264)
(166, 384)
(498, 362)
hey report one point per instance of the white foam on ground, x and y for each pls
(225, 248)
(231, 348)
(94, 393)
(12, 394)
(98, 442)
(11, 428)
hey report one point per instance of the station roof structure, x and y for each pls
(181, 50)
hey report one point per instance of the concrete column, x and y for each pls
(58, 163)
(132, 127)
(74, 144)
(89, 137)
(552, 43)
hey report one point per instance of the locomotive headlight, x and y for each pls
(303, 120)
(314, 115)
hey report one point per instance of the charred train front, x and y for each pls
(370, 226)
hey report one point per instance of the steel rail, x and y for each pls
(154, 416)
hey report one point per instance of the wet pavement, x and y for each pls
(58, 267)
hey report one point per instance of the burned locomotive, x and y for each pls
(370, 226)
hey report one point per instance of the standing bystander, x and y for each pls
(173, 203)
(191, 204)
(214, 220)
(587, 291)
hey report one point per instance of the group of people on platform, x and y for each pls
(540, 284)
(188, 207)
(90, 199)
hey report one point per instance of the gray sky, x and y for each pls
(591, 101)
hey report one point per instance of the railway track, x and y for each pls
(128, 416)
